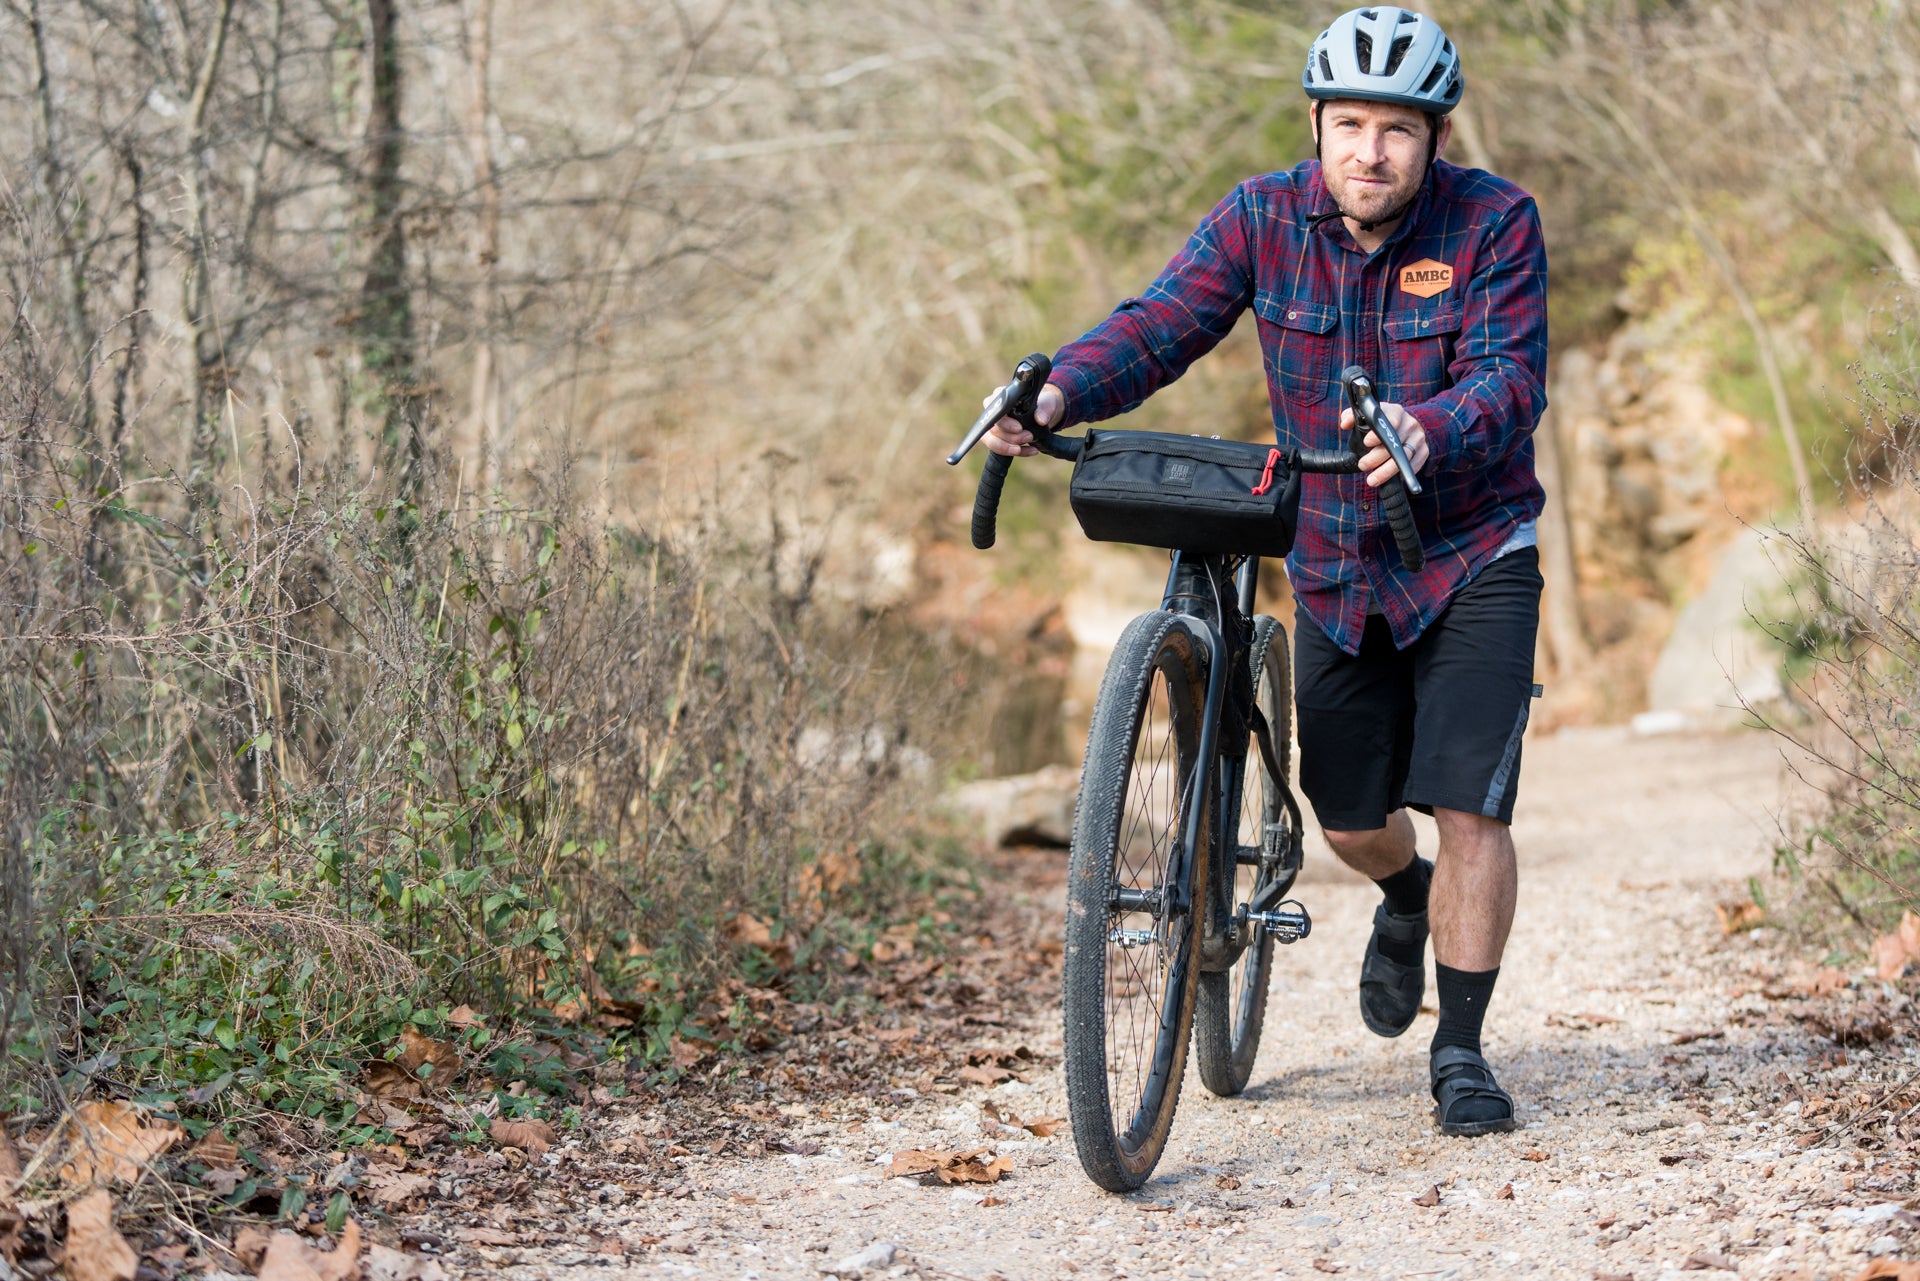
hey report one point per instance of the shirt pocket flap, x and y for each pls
(1422, 323)
(1295, 313)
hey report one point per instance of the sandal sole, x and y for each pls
(1475, 1129)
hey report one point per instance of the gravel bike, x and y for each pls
(1187, 836)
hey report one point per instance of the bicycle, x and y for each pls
(1195, 692)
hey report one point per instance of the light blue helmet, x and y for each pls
(1383, 53)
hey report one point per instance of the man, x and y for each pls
(1412, 689)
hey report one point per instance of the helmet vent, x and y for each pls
(1433, 78)
(1398, 53)
(1326, 66)
(1363, 51)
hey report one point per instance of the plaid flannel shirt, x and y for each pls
(1450, 318)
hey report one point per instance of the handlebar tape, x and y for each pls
(1398, 508)
(986, 500)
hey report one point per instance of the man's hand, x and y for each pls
(1377, 464)
(1010, 438)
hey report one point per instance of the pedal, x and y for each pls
(1289, 922)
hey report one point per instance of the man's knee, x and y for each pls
(1468, 833)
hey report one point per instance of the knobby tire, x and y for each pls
(1129, 1009)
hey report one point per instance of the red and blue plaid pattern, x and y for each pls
(1469, 360)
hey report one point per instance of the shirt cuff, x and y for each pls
(1446, 420)
(1076, 386)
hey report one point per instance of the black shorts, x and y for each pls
(1434, 726)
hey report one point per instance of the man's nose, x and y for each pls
(1373, 149)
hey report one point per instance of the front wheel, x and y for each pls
(1232, 1004)
(1132, 946)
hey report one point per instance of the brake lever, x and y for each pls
(1018, 400)
(1367, 413)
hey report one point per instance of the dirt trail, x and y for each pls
(1659, 1089)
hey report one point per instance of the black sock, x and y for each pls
(1406, 889)
(1463, 997)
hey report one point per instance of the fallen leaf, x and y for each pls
(1157, 1207)
(251, 1246)
(798, 1147)
(1890, 1270)
(896, 1035)
(1226, 1182)
(1535, 1154)
(486, 1236)
(1675, 1158)
(990, 1201)
(388, 1082)
(1430, 1197)
(1739, 916)
(1702, 1260)
(1889, 957)
(223, 1181)
(1505, 1193)
(112, 1143)
(214, 1149)
(397, 1189)
(387, 1264)
(1687, 1036)
(535, 1136)
(288, 1258)
(1042, 1127)
(970, 1169)
(464, 1018)
(984, 1075)
(9, 1161)
(1580, 1022)
(1328, 1265)
(433, 1063)
(95, 1249)
(1805, 982)
(685, 1052)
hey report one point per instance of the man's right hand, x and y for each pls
(1010, 438)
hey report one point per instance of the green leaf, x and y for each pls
(223, 1033)
(515, 735)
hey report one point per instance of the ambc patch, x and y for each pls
(1425, 278)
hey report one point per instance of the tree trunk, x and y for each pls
(487, 428)
(385, 324)
(1558, 564)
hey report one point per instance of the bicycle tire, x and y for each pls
(1231, 1006)
(1127, 999)
(986, 500)
(1397, 504)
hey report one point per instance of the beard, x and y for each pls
(1368, 204)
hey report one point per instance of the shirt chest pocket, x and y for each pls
(1301, 345)
(1418, 351)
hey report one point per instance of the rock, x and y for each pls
(1024, 809)
(881, 1254)
(1717, 661)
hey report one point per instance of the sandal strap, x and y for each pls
(1460, 1073)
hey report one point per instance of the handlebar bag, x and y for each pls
(1189, 493)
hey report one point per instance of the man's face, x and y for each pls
(1373, 155)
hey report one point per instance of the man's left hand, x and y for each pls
(1377, 464)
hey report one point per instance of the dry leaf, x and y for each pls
(1226, 1182)
(487, 1236)
(288, 1258)
(397, 1189)
(464, 1018)
(95, 1249)
(1580, 1022)
(112, 1143)
(896, 1035)
(915, 1161)
(439, 1059)
(388, 1082)
(1505, 1193)
(1042, 1127)
(1328, 1265)
(1430, 1197)
(1535, 1154)
(1687, 1036)
(685, 1052)
(385, 1264)
(969, 1169)
(533, 1136)
(988, 1202)
(9, 1160)
(1740, 916)
(1889, 957)
(984, 1075)
(1890, 1270)
(214, 1149)
(223, 1181)
(1157, 1207)
(1702, 1260)
(251, 1246)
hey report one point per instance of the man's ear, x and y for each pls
(1446, 132)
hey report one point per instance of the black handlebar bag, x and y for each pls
(1189, 493)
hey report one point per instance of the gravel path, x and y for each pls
(1659, 1087)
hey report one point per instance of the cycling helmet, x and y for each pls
(1384, 53)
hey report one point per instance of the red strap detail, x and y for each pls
(1266, 477)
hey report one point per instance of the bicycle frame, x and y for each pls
(1208, 636)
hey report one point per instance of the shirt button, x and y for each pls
(1293, 315)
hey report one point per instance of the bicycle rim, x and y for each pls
(1231, 1006)
(1131, 961)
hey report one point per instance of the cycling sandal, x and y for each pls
(1467, 1100)
(1390, 992)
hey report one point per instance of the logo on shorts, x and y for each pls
(1425, 278)
(1177, 473)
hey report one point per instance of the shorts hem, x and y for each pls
(1427, 801)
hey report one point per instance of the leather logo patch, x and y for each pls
(1425, 278)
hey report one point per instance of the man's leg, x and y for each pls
(1474, 882)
